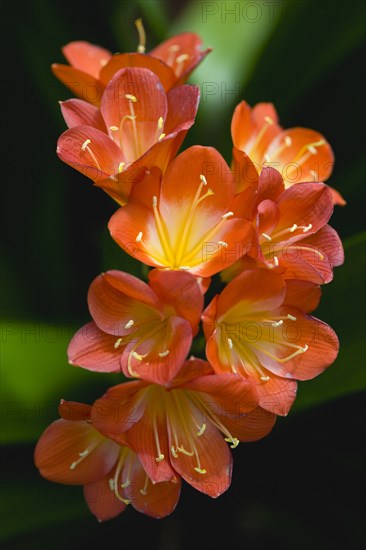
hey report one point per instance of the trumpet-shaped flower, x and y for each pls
(138, 126)
(254, 332)
(292, 235)
(181, 430)
(72, 451)
(92, 67)
(185, 222)
(143, 330)
(299, 154)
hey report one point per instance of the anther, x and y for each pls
(230, 342)
(117, 343)
(85, 144)
(181, 58)
(200, 470)
(129, 324)
(312, 149)
(203, 179)
(160, 123)
(268, 120)
(143, 492)
(227, 215)
(291, 317)
(114, 128)
(265, 378)
(304, 348)
(137, 356)
(139, 237)
(275, 260)
(159, 458)
(131, 97)
(111, 484)
(174, 452)
(162, 136)
(314, 175)
(223, 243)
(267, 158)
(125, 484)
(266, 236)
(121, 167)
(142, 36)
(307, 228)
(164, 353)
(154, 201)
(277, 323)
(234, 442)
(293, 228)
(288, 141)
(201, 430)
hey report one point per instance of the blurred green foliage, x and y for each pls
(305, 57)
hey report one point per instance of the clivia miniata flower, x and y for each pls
(143, 330)
(182, 430)
(254, 332)
(92, 67)
(299, 154)
(73, 452)
(185, 222)
(138, 126)
(292, 235)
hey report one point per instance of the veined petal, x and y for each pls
(257, 290)
(81, 113)
(300, 154)
(303, 295)
(133, 102)
(93, 349)
(72, 410)
(89, 151)
(74, 453)
(86, 57)
(249, 426)
(246, 173)
(182, 108)
(119, 303)
(102, 501)
(125, 60)
(81, 84)
(277, 395)
(156, 500)
(329, 243)
(180, 290)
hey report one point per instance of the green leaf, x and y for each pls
(342, 306)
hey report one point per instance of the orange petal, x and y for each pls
(102, 501)
(277, 395)
(60, 449)
(86, 57)
(148, 106)
(124, 60)
(303, 295)
(80, 113)
(308, 157)
(93, 349)
(248, 427)
(89, 151)
(81, 84)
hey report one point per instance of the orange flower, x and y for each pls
(179, 431)
(299, 154)
(73, 452)
(292, 235)
(186, 221)
(92, 67)
(143, 330)
(138, 126)
(258, 333)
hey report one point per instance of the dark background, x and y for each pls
(303, 486)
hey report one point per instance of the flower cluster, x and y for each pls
(259, 225)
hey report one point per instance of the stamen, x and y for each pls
(85, 144)
(291, 317)
(277, 323)
(111, 484)
(293, 228)
(129, 324)
(275, 261)
(131, 97)
(203, 179)
(181, 58)
(103, 62)
(230, 342)
(268, 122)
(267, 158)
(155, 201)
(265, 378)
(233, 440)
(266, 236)
(117, 343)
(288, 141)
(201, 430)
(162, 136)
(312, 149)
(172, 51)
(162, 233)
(223, 243)
(307, 228)
(314, 175)
(139, 237)
(160, 456)
(174, 452)
(82, 455)
(144, 490)
(181, 449)
(200, 470)
(164, 353)
(227, 215)
(138, 356)
(121, 167)
(160, 123)
(126, 484)
(142, 36)
(114, 128)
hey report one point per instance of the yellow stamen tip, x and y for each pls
(200, 470)
(131, 97)
(159, 458)
(85, 144)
